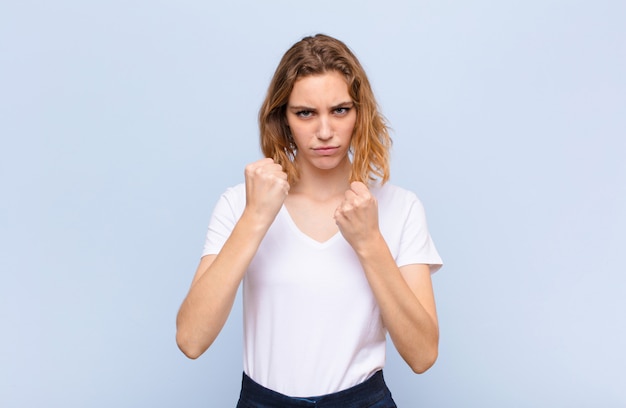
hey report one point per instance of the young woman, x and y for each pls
(331, 256)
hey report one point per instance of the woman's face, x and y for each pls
(321, 117)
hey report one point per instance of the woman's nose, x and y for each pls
(325, 131)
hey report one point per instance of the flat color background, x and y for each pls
(121, 123)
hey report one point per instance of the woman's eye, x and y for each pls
(304, 114)
(341, 111)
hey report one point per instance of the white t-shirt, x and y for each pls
(311, 323)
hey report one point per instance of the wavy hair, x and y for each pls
(370, 142)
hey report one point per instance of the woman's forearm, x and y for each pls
(406, 303)
(212, 294)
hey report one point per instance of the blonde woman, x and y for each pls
(331, 256)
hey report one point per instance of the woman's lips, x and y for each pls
(325, 150)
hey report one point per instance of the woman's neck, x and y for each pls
(323, 184)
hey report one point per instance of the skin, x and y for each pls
(321, 117)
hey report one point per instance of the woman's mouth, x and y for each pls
(325, 150)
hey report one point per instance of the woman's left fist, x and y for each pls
(357, 215)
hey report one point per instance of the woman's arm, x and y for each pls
(404, 295)
(210, 299)
(407, 304)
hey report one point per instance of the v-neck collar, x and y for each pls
(306, 238)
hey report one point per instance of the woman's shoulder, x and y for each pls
(392, 193)
(238, 190)
(234, 197)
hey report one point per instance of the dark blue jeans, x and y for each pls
(373, 393)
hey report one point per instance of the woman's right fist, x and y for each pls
(266, 189)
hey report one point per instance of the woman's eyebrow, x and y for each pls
(343, 105)
(339, 105)
(300, 107)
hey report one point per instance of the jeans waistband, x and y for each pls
(365, 394)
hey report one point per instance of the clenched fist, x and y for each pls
(266, 189)
(357, 215)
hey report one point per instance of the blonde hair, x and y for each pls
(370, 143)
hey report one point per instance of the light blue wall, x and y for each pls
(122, 121)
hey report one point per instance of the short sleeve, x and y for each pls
(225, 215)
(416, 244)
